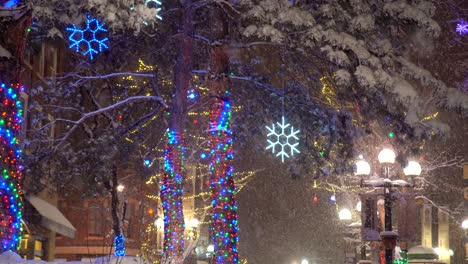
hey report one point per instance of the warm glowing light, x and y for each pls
(387, 156)
(120, 188)
(159, 223)
(362, 168)
(345, 214)
(193, 223)
(210, 248)
(412, 169)
(359, 206)
(464, 224)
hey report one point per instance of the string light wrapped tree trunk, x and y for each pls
(13, 43)
(224, 226)
(173, 176)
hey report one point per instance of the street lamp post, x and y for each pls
(345, 217)
(387, 157)
(464, 226)
(209, 253)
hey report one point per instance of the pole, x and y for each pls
(388, 223)
(388, 217)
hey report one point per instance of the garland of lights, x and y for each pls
(119, 245)
(224, 226)
(10, 153)
(171, 196)
(90, 39)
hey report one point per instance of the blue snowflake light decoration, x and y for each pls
(89, 39)
(283, 139)
(462, 27)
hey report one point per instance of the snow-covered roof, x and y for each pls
(422, 250)
(422, 255)
(9, 257)
(378, 182)
(4, 53)
(52, 218)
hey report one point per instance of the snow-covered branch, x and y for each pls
(85, 116)
(263, 85)
(443, 209)
(110, 75)
(255, 43)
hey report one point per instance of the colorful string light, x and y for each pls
(171, 196)
(224, 226)
(10, 152)
(119, 245)
(283, 139)
(90, 38)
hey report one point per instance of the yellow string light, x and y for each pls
(328, 91)
(430, 117)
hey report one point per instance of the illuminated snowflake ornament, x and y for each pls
(156, 4)
(90, 39)
(462, 27)
(283, 138)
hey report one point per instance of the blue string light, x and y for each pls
(89, 39)
(192, 95)
(119, 245)
(11, 3)
(462, 27)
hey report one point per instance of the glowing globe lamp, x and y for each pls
(412, 169)
(362, 168)
(464, 224)
(345, 214)
(387, 156)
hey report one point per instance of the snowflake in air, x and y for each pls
(90, 39)
(286, 141)
(462, 27)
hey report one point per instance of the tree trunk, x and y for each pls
(119, 240)
(173, 176)
(12, 40)
(224, 225)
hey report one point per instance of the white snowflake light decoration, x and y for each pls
(283, 139)
(155, 4)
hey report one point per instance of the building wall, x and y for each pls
(92, 219)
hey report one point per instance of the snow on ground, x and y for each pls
(13, 258)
